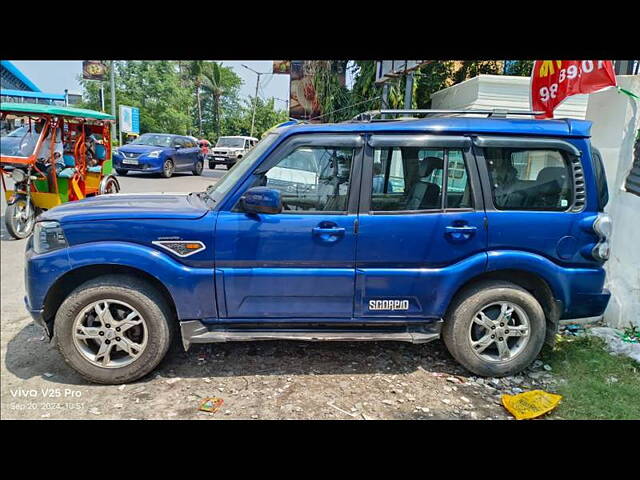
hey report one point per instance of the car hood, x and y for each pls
(226, 149)
(140, 148)
(127, 206)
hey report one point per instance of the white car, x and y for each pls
(229, 150)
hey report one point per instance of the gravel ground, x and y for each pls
(256, 380)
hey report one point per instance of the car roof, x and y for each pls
(236, 136)
(453, 125)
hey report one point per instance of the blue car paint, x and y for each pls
(292, 273)
(184, 159)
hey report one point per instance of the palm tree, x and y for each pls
(212, 83)
(196, 69)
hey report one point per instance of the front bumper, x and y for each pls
(145, 164)
(220, 160)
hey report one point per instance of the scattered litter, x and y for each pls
(95, 411)
(343, 411)
(48, 375)
(211, 404)
(547, 367)
(172, 380)
(530, 404)
(46, 415)
(573, 330)
(121, 387)
(616, 343)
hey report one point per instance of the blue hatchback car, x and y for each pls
(484, 232)
(159, 153)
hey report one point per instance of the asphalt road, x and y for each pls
(256, 380)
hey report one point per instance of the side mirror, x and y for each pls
(262, 200)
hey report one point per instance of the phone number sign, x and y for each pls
(554, 80)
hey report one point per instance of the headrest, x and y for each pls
(429, 164)
(550, 174)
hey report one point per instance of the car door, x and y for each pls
(179, 159)
(421, 224)
(299, 263)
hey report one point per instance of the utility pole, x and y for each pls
(112, 74)
(255, 100)
(408, 91)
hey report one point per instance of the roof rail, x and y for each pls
(370, 115)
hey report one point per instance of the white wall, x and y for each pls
(616, 119)
(486, 92)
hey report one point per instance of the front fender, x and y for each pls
(192, 289)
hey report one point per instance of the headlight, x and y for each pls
(602, 225)
(154, 154)
(18, 175)
(48, 236)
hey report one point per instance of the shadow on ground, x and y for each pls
(28, 356)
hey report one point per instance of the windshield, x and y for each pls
(230, 142)
(226, 183)
(153, 139)
(18, 132)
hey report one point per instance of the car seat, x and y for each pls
(424, 194)
(551, 183)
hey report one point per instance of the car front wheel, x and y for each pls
(167, 168)
(113, 329)
(495, 328)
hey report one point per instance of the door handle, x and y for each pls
(461, 233)
(328, 234)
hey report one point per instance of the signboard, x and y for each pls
(303, 100)
(129, 119)
(554, 80)
(386, 69)
(94, 70)
(282, 67)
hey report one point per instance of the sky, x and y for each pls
(54, 76)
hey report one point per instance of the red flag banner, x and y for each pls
(554, 80)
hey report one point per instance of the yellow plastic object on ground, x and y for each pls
(530, 404)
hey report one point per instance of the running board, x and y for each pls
(194, 331)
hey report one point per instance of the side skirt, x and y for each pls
(194, 331)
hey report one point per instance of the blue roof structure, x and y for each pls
(13, 70)
(27, 94)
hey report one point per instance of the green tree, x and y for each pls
(152, 86)
(266, 117)
(221, 86)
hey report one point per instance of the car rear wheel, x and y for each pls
(167, 168)
(113, 329)
(229, 166)
(495, 328)
(197, 169)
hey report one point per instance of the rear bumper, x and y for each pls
(588, 304)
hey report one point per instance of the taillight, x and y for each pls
(602, 226)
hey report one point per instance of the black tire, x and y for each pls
(212, 166)
(468, 303)
(197, 169)
(137, 293)
(229, 166)
(121, 172)
(168, 167)
(19, 228)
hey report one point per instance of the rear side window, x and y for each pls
(529, 179)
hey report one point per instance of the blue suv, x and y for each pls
(484, 232)
(159, 153)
